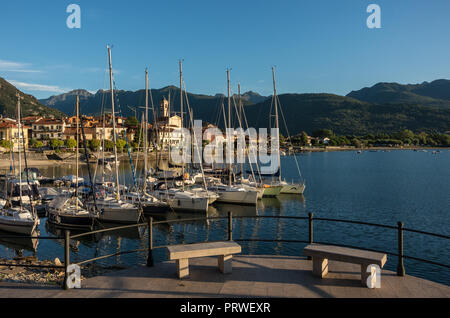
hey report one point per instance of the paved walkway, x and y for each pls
(252, 276)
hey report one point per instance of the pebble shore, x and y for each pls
(47, 276)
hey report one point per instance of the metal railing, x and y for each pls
(311, 219)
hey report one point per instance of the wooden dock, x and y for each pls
(252, 276)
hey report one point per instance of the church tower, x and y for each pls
(164, 108)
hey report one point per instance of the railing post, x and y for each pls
(311, 230)
(150, 243)
(66, 257)
(400, 266)
(230, 226)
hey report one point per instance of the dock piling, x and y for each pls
(66, 257)
(311, 233)
(400, 266)
(230, 226)
(150, 262)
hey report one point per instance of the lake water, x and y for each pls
(377, 187)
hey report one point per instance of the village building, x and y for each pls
(167, 127)
(9, 131)
(47, 128)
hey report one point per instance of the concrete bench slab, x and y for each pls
(224, 250)
(322, 253)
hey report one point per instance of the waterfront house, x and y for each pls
(9, 131)
(45, 129)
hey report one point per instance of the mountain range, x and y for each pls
(384, 107)
(30, 106)
(435, 93)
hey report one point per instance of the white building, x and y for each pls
(167, 127)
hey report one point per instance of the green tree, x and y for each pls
(38, 144)
(131, 122)
(323, 133)
(303, 139)
(109, 144)
(94, 144)
(56, 143)
(6, 144)
(71, 143)
(120, 144)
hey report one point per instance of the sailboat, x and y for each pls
(286, 188)
(112, 208)
(233, 193)
(149, 203)
(180, 199)
(67, 210)
(19, 219)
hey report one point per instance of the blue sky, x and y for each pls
(316, 46)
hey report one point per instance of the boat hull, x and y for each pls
(119, 215)
(272, 191)
(155, 208)
(238, 197)
(189, 205)
(24, 227)
(293, 189)
(70, 221)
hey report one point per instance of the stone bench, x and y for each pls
(224, 251)
(322, 253)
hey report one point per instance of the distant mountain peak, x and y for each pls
(435, 93)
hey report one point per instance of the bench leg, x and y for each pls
(225, 263)
(320, 267)
(182, 267)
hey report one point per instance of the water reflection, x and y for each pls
(19, 244)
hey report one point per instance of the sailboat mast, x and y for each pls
(145, 129)
(229, 125)
(114, 125)
(76, 154)
(181, 110)
(18, 147)
(240, 124)
(103, 147)
(276, 122)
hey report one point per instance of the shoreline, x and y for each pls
(44, 162)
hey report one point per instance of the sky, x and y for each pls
(316, 46)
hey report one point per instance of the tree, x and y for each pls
(56, 143)
(109, 144)
(304, 139)
(6, 144)
(131, 122)
(120, 144)
(38, 144)
(323, 133)
(94, 144)
(71, 143)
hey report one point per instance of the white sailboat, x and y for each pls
(181, 199)
(113, 209)
(67, 210)
(19, 219)
(286, 188)
(229, 193)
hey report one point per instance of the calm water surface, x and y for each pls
(378, 187)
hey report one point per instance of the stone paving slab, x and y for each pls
(254, 276)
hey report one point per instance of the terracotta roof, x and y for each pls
(49, 121)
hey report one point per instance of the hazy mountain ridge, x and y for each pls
(435, 93)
